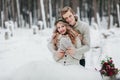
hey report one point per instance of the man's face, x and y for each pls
(69, 17)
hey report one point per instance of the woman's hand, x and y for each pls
(60, 54)
(70, 51)
(80, 37)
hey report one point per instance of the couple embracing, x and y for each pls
(70, 39)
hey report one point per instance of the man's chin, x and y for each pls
(71, 24)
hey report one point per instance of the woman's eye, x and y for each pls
(58, 27)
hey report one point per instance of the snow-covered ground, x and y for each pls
(26, 57)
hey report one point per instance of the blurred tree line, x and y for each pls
(16, 9)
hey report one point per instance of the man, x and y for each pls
(81, 27)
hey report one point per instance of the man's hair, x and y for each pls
(66, 9)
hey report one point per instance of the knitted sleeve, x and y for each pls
(53, 51)
(85, 31)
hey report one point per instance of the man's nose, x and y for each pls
(69, 19)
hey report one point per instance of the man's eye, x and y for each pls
(66, 18)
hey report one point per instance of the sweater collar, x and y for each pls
(76, 24)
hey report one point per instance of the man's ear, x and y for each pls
(76, 18)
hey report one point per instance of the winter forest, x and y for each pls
(26, 27)
(31, 11)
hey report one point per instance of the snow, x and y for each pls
(25, 56)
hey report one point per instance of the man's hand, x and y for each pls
(70, 51)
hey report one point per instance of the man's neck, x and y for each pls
(74, 24)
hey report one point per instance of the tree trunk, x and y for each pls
(57, 12)
(2, 12)
(30, 19)
(100, 9)
(50, 10)
(108, 14)
(84, 10)
(0, 5)
(43, 13)
(30, 13)
(46, 12)
(74, 4)
(80, 2)
(61, 4)
(39, 10)
(5, 11)
(18, 13)
(95, 10)
(89, 11)
(118, 13)
(13, 11)
(34, 12)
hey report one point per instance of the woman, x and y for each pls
(64, 44)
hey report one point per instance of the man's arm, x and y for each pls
(85, 31)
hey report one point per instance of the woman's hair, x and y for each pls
(70, 32)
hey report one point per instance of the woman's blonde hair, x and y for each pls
(70, 32)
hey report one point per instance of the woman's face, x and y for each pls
(61, 28)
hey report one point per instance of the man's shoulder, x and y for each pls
(82, 23)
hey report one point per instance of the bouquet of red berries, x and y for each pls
(108, 68)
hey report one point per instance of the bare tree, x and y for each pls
(89, 11)
(50, 11)
(74, 4)
(0, 5)
(5, 11)
(88, 8)
(46, 3)
(108, 14)
(118, 12)
(18, 13)
(101, 9)
(81, 9)
(61, 3)
(30, 14)
(95, 10)
(39, 10)
(13, 10)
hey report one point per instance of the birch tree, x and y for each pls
(18, 12)
(95, 10)
(43, 13)
(50, 9)
(108, 14)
